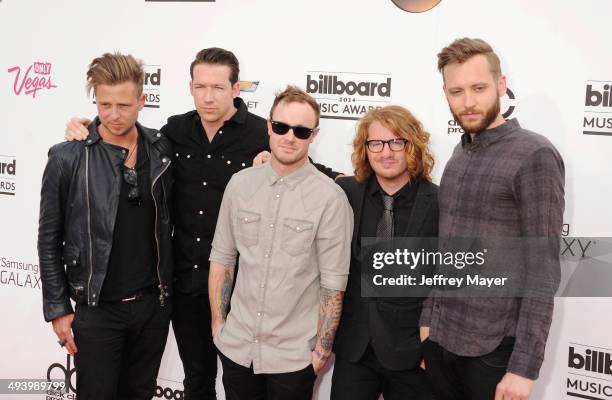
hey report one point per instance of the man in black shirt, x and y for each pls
(211, 143)
(377, 346)
(105, 240)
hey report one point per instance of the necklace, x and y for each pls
(131, 152)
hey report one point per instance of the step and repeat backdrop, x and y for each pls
(556, 55)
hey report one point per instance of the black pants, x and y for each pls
(191, 324)
(119, 348)
(241, 383)
(465, 378)
(367, 379)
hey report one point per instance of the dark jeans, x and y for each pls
(191, 324)
(455, 377)
(241, 383)
(367, 379)
(119, 348)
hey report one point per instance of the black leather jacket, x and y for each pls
(79, 199)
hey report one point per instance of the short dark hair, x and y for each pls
(293, 94)
(216, 55)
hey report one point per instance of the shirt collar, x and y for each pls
(290, 180)
(490, 136)
(374, 188)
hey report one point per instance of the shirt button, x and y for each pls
(220, 132)
(122, 151)
(281, 180)
(243, 164)
(207, 155)
(271, 225)
(201, 212)
(177, 154)
(228, 162)
(197, 239)
(204, 183)
(297, 229)
(246, 220)
(278, 196)
(266, 255)
(262, 286)
(259, 314)
(255, 341)
(195, 266)
(188, 155)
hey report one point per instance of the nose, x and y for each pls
(386, 150)
(208, 95)
(290, 135)
(114, 112)
(469, 100)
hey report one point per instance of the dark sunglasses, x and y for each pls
(300, 132)
(130, 176)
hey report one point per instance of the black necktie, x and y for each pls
(385, 225)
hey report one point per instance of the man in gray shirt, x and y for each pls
(501, 181)
(292, 227)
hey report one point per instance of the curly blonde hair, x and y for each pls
(401, 122)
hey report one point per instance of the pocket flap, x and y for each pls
(71, 256)
(247, 217)
(297, 225)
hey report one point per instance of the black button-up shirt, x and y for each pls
(202, 169)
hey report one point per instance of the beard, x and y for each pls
(478, 126)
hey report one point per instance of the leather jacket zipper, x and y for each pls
(88, 226)
(162, 290)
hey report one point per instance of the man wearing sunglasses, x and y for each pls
(377, 346)
(211, 143)
(105, 240)
(291, 226)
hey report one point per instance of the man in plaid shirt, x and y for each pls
(502, 181)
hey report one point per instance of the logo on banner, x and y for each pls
(169, 392)
(8, 175)
(348, 95)
(28, 81)
(249, 87)
(507, 104)
(18, 273)
(67, 373)
(597, 118)
(416, 6)
(589, 368)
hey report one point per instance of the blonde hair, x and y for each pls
(113, 69)
(402, 123)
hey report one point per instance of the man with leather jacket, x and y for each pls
(105, 240)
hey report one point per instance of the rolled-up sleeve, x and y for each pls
(224, 250)
(333, 243)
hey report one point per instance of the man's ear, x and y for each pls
(315, 132)
(502, 85)
(236, 89)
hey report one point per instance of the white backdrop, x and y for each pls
(551, 52)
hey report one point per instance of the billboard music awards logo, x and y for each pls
(28, 81)
(65, 373)
(589, 372)
(507, 104)
(597, 118)
(171, 390)
(416, 6)
(249, 87)
(348, 95)
(8, 175)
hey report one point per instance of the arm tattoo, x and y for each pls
(224, 293)
(330, 310)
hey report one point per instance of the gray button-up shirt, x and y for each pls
(293, 235)
(507, 183)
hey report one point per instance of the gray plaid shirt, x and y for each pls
(507, 182)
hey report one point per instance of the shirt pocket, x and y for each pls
(297, 236)
(247, 227)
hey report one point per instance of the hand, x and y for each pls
(513, 387)
(318, 362)
(76, 129)
(216, 325)
(424, 333)
(62, 326)
(261, 158)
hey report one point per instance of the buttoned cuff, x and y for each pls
(525, 365)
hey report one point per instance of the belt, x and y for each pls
(134, 297)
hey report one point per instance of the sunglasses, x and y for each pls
(130, 176)
(300, 132)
